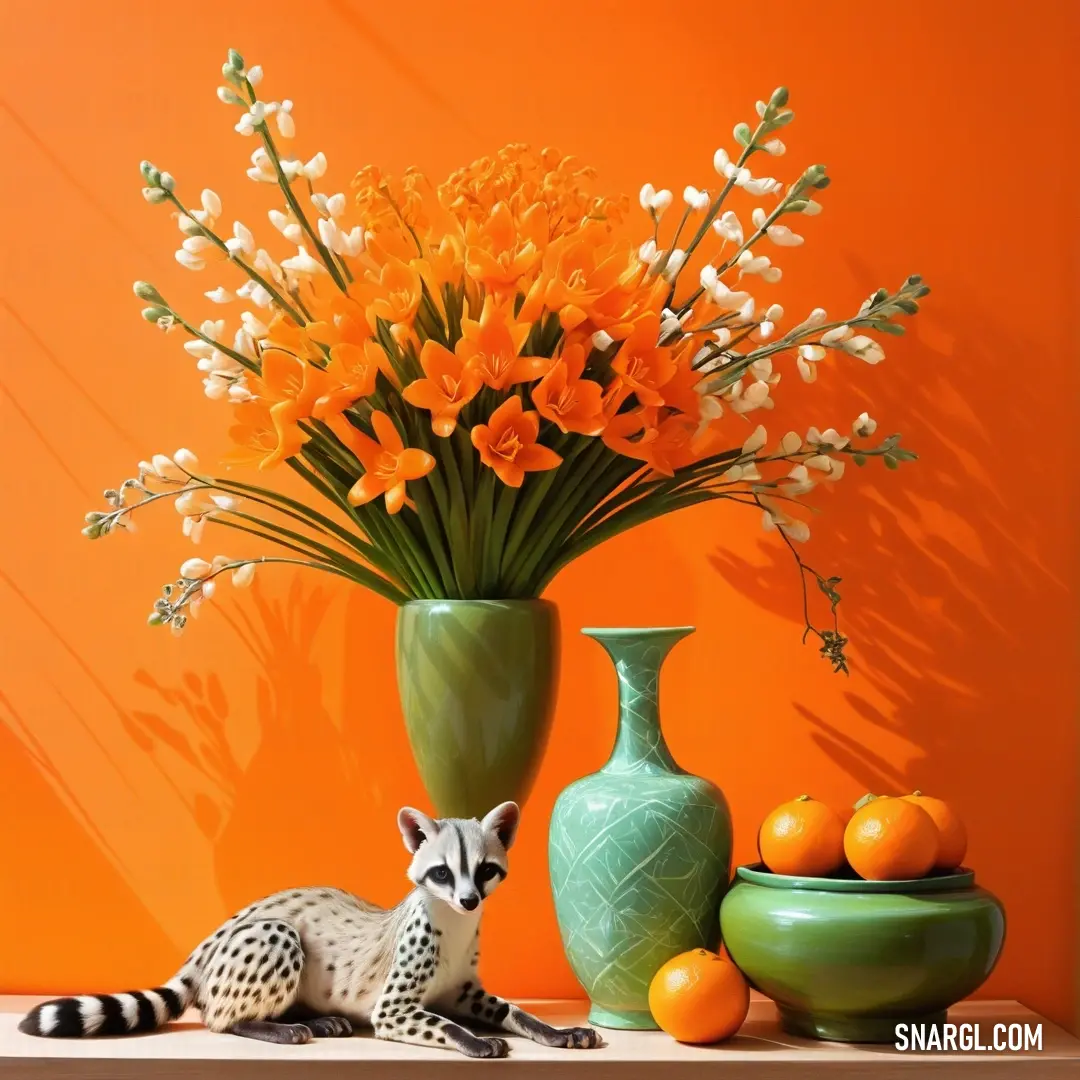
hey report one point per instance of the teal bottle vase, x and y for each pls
(639, 852)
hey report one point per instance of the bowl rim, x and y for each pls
(758, 874)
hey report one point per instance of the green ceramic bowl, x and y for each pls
(847, 959)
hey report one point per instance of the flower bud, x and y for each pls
(145, 291)
(155, 619)
(167, 182)
(236, 61)
(151, 175)
(154, 194)
(779, 97)
(741, 133)
(154, 314)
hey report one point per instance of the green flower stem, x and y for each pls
(240, 358)
(359, 574)
(249, 270)
(290, 197)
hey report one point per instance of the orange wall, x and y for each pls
(149, 786)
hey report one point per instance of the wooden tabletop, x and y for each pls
(185, 1051)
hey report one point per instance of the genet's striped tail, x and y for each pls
(110, 1014)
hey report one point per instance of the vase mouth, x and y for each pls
(635, 632)
(947, 881)
(527, 601)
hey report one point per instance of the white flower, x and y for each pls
(746, 312)
(800, 481)
(782, 236)
(815, 318)
(749, 263)
(864, 426)
(647, 253)
(758, 217)
(253, 326)
(795, 530)
(764, 185)
(242, 242)
(262, 168)
(285, 124)
(727, 226)
(239, 392)
(251, 119)
(193, 528)
(243, 575)
(197, 244)
(656, 202)
(602, 340)
(811, 208)
(758, 438)
(823, 463)
(220, 295)
(285, 225)
(304, 264)
(175, 468)
(813, 353)
(255, 74)
(865, 348)
(791, 443)
(696, 200)
(774, 147)
(774, 313)
(195, 569)
(836, 335)
(755, 396)
(728, 169)
(335, 205)
(807, 371)
(189, 261)
(722, 335)
(315, 168)
(674, 264)
(828, 437)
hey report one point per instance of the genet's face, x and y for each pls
(459, 861)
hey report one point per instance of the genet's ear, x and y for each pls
(503, 821)
(415, 827)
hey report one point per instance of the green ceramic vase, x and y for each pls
(847, 960)
(639, 852)
(477, 680)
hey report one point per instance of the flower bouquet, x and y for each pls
(479, 381)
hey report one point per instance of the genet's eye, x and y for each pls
(487, 871)
(439, 874)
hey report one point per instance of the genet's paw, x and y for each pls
(490, 1048)
(329, 1027)
(292, 1034)
(578, 1038)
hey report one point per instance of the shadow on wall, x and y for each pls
(970, 666)
(277, 795)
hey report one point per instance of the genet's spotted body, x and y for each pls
(318, 962)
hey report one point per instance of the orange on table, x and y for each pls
(952, 836)
(890, 840)
(802, 837)
(699, 997)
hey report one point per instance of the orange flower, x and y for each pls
(387, 465)
(350, 375)
(491, 347)
(579, 270)
(664, 447)
(566, 399)
(641, 365)
(501, 250)
(450, 385)
(293, 385)
(255, 440)
(394, 295)
(507, 443)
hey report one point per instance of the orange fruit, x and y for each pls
(699, 997)
(952, 836)
(802, 837)
(890, 840)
